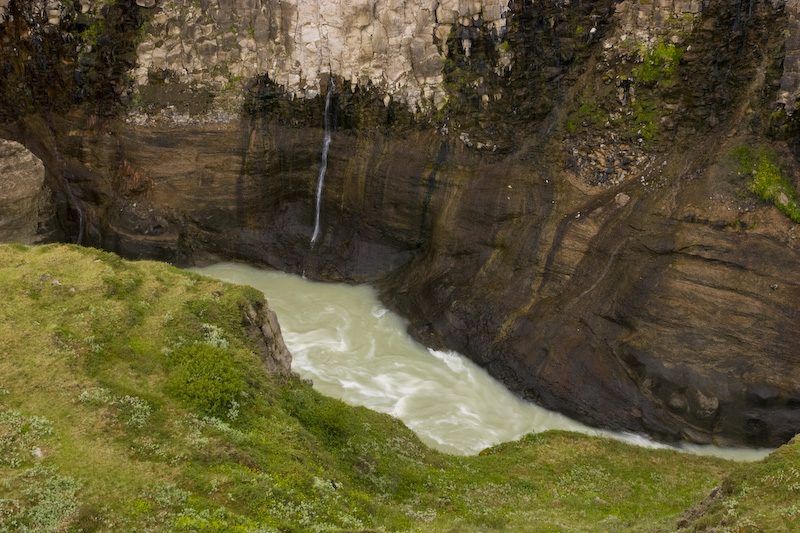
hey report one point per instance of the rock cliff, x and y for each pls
(566, 191)
(28, 212)
(21, 180)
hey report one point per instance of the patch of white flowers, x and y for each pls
(213, 336)
(133, 410)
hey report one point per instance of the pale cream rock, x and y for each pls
(790, 80)
(645, 23)
(396, 45)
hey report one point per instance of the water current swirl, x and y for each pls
(353, 348)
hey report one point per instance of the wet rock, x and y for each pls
(704, 405)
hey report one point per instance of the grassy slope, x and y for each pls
(98, 431)
(764, 496)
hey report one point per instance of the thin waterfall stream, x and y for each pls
(67, 186)
(323, 166)
(353, 348)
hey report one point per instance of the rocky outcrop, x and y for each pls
(262, 328)
(559, 200)
(24, 198)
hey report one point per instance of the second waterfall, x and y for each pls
(323, 167)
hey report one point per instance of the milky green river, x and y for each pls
(355, 349)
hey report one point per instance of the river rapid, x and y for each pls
(353, 348)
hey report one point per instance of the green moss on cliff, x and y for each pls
(659, 64)
(764, 178)
(98, 435)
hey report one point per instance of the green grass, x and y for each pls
(659, 64)
(768, 183)
(646, 113)
(592, 115)
(760, 497)
(103, 429)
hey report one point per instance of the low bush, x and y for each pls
(327, 418)
(205, 377)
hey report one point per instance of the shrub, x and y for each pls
(49, 500)
(204, 376)
(133, 411)
(327, 418)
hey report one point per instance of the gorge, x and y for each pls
(561, 190)
(350, 347)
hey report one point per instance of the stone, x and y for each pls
(261, 326)
(21, 193)
(391, 47)
(704, 405)
(677, 402)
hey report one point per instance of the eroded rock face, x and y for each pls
(396, 45)
(790, 81)
(261, 326)
(23, 197)
(214, 47)
(572, 219)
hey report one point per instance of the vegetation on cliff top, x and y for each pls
(132, 400)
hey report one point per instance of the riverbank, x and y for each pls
(355, 349)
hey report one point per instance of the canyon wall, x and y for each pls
(560, 190)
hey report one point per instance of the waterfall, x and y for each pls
(67, 186)
(323, 167)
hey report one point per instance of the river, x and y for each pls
(353, 348)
